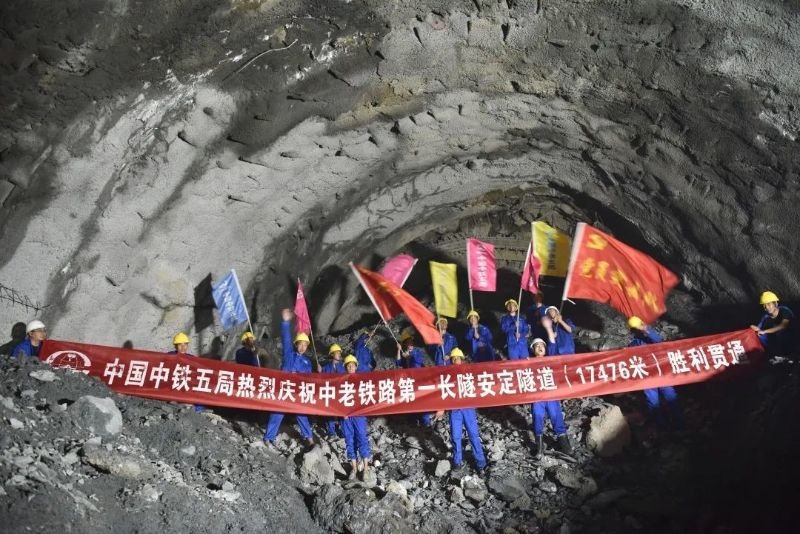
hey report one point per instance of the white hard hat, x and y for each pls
(34, 325)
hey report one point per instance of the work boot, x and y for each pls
(564, 445)
(539, 446)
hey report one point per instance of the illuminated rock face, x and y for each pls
(146, 146)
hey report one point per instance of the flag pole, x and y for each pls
(364, 286)
(519, 300)
(469, 278)
(579, 229)
(247, 313)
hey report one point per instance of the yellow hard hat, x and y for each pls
(301, 336)
(456, 353)
(334, 348)
(350, 359)
(180, 338)
(635, 322)
(441, 320)
(408, 333)
(473, 313)
(511, 301)
(768, 296)
(248, 335)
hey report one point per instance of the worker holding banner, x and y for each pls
(516, 329)
(645, 335)
(248, 352)
(465, 417)
(548, 409)
(411, 357)
(295, 360)
(334, 365)
(480, 339)
(776, 329)
(181, 343)
(354, 428)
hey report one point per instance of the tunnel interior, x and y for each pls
(148, 147)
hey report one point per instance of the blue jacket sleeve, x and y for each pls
(486, 336)
(287, 363)
(653, 336)
(508, 325)
(524, 328)
(418, 357)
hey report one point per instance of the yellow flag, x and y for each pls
(552, 247)
(445, 288)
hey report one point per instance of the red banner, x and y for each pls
(302, 320)
(481, 266)
(391, 300)
(607, 270)
(194, 380)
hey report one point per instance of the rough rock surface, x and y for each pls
(609, 432)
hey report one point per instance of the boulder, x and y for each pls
(316, 469)
(508, 489)
(114, 462)
(442, 468)
(609, 432)
(474, 489)
(99, 416)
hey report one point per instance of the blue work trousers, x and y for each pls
(274, 424)
(466, 417)
(356, 440)
(551, 409)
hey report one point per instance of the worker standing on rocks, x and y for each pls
(550, 409)
(35, 332)
(366, 360)
(646, 335)
(479, 338)
(335, 365)
(564, 330)
(354, 428)
(181, 343)
(465, 417)
(411, 357)
(777, 328)
(516, 329)
(248, 353)
(441, 352)
(295, 360)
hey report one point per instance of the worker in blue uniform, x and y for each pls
(36, 333)
(777, 329)
(354, 428)
(366, 360)
(334, 365)
(465, 417)
(516, 329)
(248, 352)
(295, 360)
(548, 409)
(411, 357)
(479, 338)
(646, 335)
(564, 330)
(441, 352)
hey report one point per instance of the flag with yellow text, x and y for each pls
(552, 247)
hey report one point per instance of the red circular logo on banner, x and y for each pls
(71, 359)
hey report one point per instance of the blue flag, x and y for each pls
(229, 300)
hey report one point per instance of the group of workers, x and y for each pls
(541, 332)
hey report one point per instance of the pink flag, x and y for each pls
(481, 266)
(302, 320)
(398, 268)
(530, 274)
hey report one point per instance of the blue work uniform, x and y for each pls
(245, 356)
(780, 343)
(482, 350)
(333, 366)
(356, 440)
(26, 348)
(534, 314)
(415, 360)
(197, 407)
(366, 360)
(550, 409)
(517, 348)
(440, 351)
(292, 362)
(565, 341)
(648, 337)
(467, 417)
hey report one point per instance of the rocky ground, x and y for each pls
(78, 458)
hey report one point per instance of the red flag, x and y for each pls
(390, 300)
(481, 266)
(302, 320)
(397, 269)
(607, 270)
(530, 273)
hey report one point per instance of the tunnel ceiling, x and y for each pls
(148, 145)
